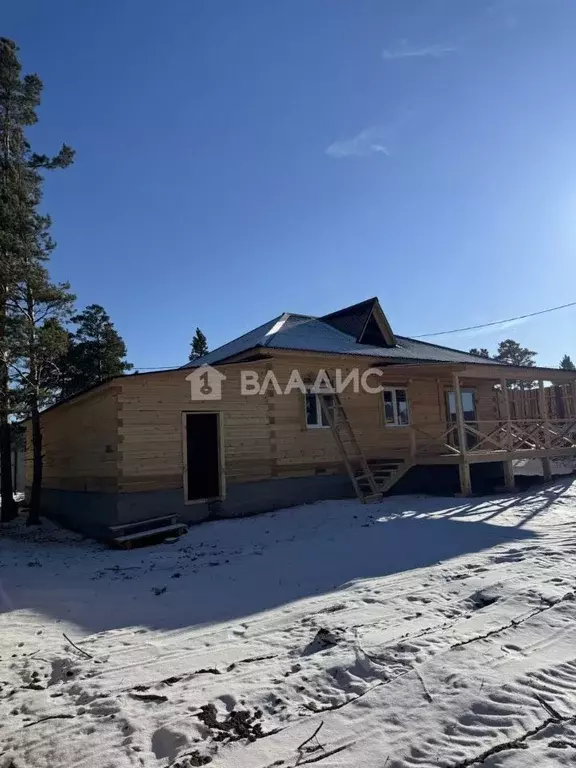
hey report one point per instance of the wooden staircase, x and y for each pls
(387, 472)
(371, 479)
(152, 530)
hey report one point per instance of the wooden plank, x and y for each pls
(123, 527)
(175, 528)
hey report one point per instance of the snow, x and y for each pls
(415, 633)
(564, 465)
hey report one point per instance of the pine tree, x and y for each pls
(199, 345)
(566, 364)
(483, 352)
(511, 353)
(95, 354)
(40, 308)
(20, 194)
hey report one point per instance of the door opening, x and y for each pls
(203, 471)
(468, 398)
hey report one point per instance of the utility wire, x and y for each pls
(427, 335)
(496, 322)
(158, 368)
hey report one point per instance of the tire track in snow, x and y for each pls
(516, 706)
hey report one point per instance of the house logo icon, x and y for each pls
(205, 383)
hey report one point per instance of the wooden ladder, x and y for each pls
(358, 468)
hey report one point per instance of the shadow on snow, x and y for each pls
(229, 570)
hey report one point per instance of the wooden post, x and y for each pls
(546, 468)
(465, 481)
(462, 444)
(509, 481)
(413, 444)
(464, 469)
(506, 403)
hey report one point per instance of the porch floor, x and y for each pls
(477, 457)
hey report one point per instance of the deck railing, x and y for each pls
(487, 436)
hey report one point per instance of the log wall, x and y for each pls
(127, 435)
(266, 436)
(80, 443)
(150, 430)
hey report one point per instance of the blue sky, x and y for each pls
(240, 159)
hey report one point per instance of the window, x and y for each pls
(396, 413)
(315, 416)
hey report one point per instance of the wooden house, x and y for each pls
(194, 444)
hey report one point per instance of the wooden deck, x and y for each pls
(506, 439)
(495, 440)
(480, 457)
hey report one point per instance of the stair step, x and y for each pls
(165, 519)
(366, 476)
(177, 528)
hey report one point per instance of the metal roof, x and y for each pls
(311, 334)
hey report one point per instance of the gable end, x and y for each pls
(365, 322)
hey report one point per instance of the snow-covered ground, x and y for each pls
(562, 465)
(418, 632)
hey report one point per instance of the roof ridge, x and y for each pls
(285, 315)
(268, 322)
(281, 319)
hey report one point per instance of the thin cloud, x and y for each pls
(494, 329)
(367, 142)
(403, 50)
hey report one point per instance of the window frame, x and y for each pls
(396, 423)
(319, 411)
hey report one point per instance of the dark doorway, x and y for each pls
(203, 479)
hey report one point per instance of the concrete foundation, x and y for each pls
(93, 513)
(88, 512)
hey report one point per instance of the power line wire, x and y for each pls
(138, 368)
(496, 322)
(422, 335)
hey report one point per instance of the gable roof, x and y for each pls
(351, 331)
(365, 321)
